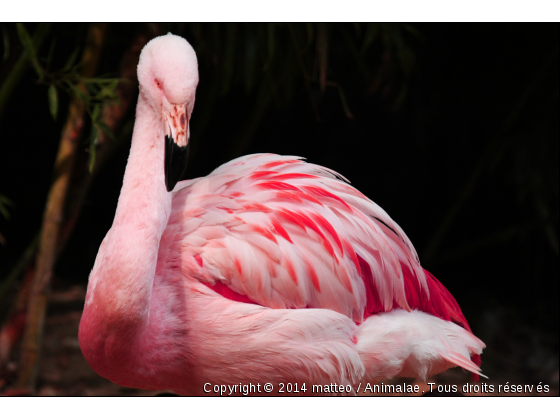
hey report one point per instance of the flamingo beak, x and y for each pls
(176, 127)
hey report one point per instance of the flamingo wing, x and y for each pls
(288, 234)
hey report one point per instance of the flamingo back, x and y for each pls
(283, 233)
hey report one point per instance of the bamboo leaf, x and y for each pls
(4, 212)
(25, 39)
(357, 29)
(345, 106)
(310, 35)
(51, 53)
(4, 203)
(79, 93)
(93, 140)
(271, 32)
(358, 58)
(53, 101)
(412, 30)
(95, 113)
(371, 33)
(250, 56)
(97, 126)
(101, 125)
(15, 74)
(72, 59)
(27, 43)
(112, 84)
(19, 266)
(99, 80)
(108, 89)
(400, 98)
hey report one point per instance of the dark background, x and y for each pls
(454, 133)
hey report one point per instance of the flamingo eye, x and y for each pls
(158, 83)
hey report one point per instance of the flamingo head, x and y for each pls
(168, 76)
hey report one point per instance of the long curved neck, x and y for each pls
(120, 284)
(144, 203)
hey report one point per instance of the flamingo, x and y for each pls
(268, 270)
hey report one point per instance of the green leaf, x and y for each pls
(53, 101)
(79, 93)
(357, 29)
(358, 58)
(412, 30)
(400, 98)
(342, 99)
(372, 30)
(101, 125)
(108, 90)
(95, 113)
(271, 31)
(51, 53)
(4, 203)
(25, 39)
(96, 127)
(29, 48)
(310, 35)
(250, 56)
(99, 80)
(93, 140)
(72, 59)
(112, 84)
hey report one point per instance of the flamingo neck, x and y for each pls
(120, 284)
(144, 202)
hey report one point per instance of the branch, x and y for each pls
(113, 114)
(53, 216)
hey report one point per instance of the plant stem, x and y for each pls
(53, 216)
(112, 115)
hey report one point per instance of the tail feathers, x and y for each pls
(476, 359)
(461, 361)
(414, 345)
(441, 304)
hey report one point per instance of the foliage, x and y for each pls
(271, 59)
(4, 203)
(271, 62)
(93, 92)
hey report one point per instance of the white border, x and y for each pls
(283, 10)
(270, 408)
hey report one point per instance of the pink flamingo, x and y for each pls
(269, 269)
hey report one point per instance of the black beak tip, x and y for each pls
(176, 158)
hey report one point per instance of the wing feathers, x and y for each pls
(288, 234)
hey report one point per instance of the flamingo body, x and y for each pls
(270, 269)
